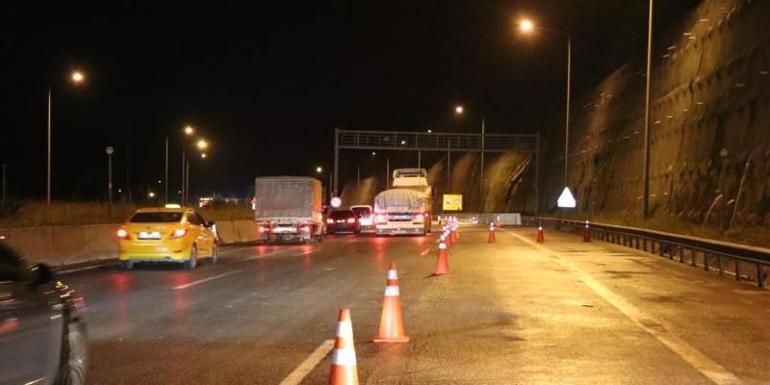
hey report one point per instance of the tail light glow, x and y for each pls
(351, 220)
(330, 221)
(178, 233)
(122, 233)
(380, 218)
(304, 228)
(419, 218)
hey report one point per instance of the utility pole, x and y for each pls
(5, 187)
(165, 175)
(646, 150)
(387, 172)
(481, 168)
(109, 150)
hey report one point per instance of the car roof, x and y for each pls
(360, 207)
(164, 210)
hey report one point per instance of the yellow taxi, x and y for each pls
(167, 234)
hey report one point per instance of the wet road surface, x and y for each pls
(512, 312)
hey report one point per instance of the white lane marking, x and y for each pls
(299, 374)
(204, 280)
(702, 363)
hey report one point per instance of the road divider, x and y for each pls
(391, 321)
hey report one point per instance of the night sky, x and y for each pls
(268, 84)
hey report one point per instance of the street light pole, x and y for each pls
(48, 163)
(646, 150)
(387, 172)
(165, 175)
(481, 168)
(5, 187)
(109, 150)
(566, 114)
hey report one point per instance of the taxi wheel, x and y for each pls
(126, 265)
(192, 262)
(214, 253)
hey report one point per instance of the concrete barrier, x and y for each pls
(59, 246)
(506, 219)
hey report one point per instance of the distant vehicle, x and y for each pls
(288, 208)
(406, 208)
(167, 234)
(342, 221)
(365, 215)
(42, 329)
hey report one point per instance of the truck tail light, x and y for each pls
(178, 233)
(263, 229)
(122, 233)
(380, 218)
(304, 228)
(419, 218)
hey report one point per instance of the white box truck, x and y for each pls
(288, 208)
(406, 208)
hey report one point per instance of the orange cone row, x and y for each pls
(343, 361)
(491, 238)
(391, 321)
(343, 365)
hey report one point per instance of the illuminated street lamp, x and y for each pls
(319, 170)
(203, 155)
(202, 144)
(459, 110)
(76, 77)
(188, 130)
(527, 27)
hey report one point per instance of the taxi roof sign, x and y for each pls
(173, 206)
(566, 199)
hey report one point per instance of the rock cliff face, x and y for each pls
(508, 183)
(710, 125)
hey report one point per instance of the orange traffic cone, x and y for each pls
(491, 238)
(391, 321)
(343, 370)
(497, 221)
(457, 230)
(540, 235)
(448, 236)
(586, 233)
(442, 264)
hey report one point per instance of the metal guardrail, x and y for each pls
(746, 263)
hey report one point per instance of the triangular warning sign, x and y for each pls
(566, 200)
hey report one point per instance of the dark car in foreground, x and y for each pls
(42, 330)
(342, 221)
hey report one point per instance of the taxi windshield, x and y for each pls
(156, 217)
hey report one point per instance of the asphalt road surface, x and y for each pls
(512, 312)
